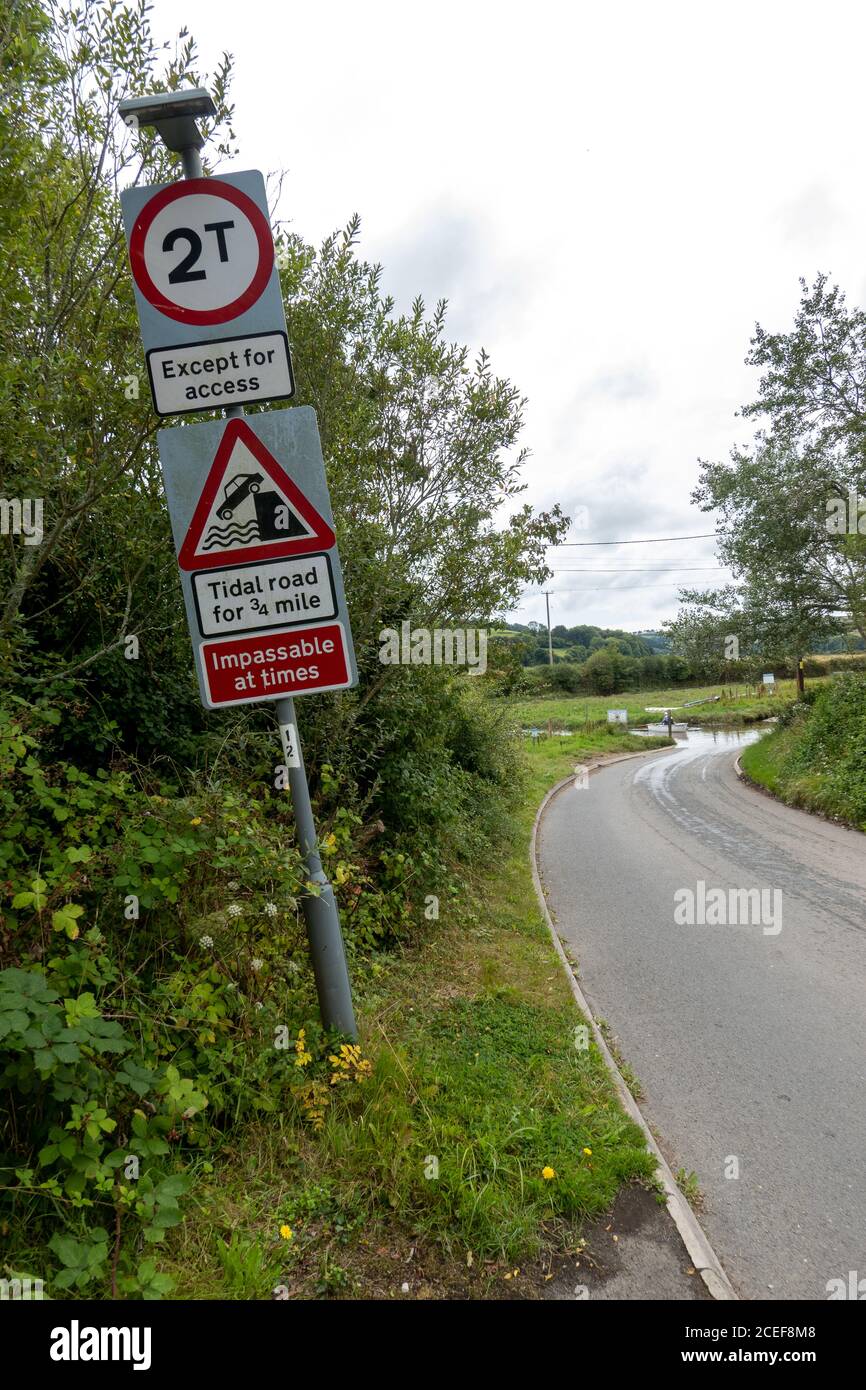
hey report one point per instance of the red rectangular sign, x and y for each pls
(270, 665)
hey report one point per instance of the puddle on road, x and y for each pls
(660, 778)
(695, 743)
(705, 739)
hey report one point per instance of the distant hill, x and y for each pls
(576, 644)
(659, 641)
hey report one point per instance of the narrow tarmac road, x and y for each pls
(749, 1040)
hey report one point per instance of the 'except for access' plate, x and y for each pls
(228, 371)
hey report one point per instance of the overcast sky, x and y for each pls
(608, 195)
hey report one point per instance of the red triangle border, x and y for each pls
(323, 537)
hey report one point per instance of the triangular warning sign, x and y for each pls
(250, 509)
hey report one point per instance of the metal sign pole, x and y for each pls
(321, 914)
(320, 909)
(173, 115)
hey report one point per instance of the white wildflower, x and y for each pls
(234, 909)
(206, 942)
(271, 909)
(256, 962)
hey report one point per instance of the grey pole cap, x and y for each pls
(172, 114)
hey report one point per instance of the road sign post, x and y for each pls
(321, 915)
(253, 526)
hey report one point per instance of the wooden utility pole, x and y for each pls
(549, 633)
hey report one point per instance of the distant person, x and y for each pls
(669, 722)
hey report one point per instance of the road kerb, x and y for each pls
(701, 1253)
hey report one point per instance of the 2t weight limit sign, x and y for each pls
(201, 252)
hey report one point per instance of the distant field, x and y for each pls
(739, 705)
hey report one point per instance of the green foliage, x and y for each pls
(87, 1093)
(189, 905)
(817, 756)
(493, 1089)
(249, 1270)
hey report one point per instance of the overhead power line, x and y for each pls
(638, 569)
(648, 540)
(607, 589)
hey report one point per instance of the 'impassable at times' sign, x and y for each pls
(270, 666)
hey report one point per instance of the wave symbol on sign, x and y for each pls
(224, 536)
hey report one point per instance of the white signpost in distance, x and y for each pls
(208, 293)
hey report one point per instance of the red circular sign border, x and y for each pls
(218, 189)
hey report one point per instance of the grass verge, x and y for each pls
(485, 1135)
(816, 758)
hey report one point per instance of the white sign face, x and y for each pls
(201, 376)
(201, 251)
(769, 679)
(273, 593)
(250, 509)
(617, 716)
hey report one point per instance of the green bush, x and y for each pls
(149, 947)
(833, 746)
(816, 757)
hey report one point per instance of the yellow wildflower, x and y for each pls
(302, 1056)
(548, 1173)
(286, 1232)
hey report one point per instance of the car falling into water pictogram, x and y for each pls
(236, 490)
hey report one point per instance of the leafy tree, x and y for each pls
(410, 772)
(599, 672)
(421, 446)
(75, 430)
(738, 632)
(779, 499)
